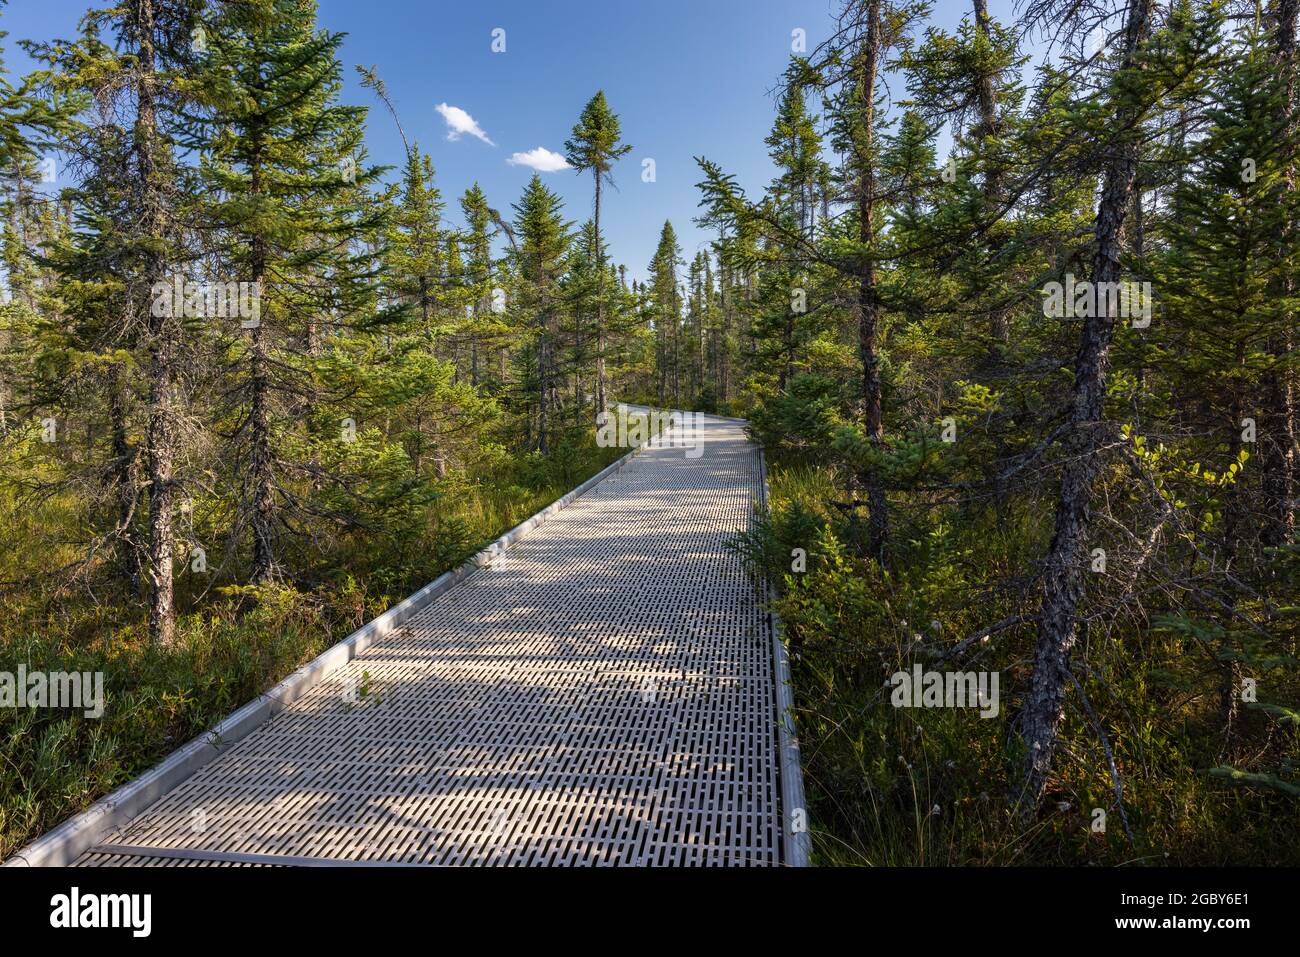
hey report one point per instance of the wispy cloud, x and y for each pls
(459, 123)
(540, 159)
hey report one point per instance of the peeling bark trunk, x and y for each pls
(1063, 572)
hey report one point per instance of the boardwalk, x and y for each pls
(603, 693)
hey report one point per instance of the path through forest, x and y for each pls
(603, 693)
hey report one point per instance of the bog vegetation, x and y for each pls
(1016, 330)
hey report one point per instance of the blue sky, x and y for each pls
(687, 78)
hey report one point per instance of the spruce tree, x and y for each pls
(541, 257)
(595, 145)
(666, 314)
(281, 159)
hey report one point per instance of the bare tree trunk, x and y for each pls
(160, 432)
(677, 349)
(988, 126)
(1067, 556)
(126, 491)
(701, 307)
(724, 333)
(159, 438)
(868, 67)
(1235, 519)
(262, 456)
(426, 317)
(601, 400)
(577, 372)
(261, 462)
(543, 383)
(661, 360)
(6, 336)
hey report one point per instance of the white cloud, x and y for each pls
(540, 159)
(459, 122)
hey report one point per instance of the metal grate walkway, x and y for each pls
(602, 694)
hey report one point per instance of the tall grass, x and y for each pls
(936, 786)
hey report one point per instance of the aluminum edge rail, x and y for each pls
(796, 845)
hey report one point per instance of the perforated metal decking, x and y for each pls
(603, 694)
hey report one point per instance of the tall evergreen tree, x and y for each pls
(595, 145)
(281, 161)
(666, 314)
(544, 240)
